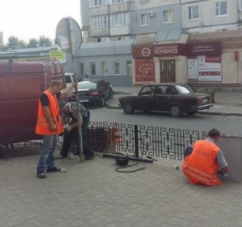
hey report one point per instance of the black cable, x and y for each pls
(129, 171)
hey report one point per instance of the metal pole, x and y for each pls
(136, 144)
(71, 41)
(132, 158)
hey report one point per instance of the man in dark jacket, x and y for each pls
(69, 110)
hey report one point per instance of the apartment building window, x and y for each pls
(240, 5)
(145, 19)
(129, 68)
(118, 1)
(96, 3)
(81, 68)
(104, 68)
(99, 22)
(193, 12)
(116, 68)
(118, 19)
(221, 8)
(93, 68)
(167, 14)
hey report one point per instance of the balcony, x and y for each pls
(99, 32)
(121, 7)
(98, 11)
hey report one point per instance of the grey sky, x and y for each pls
(32, 18)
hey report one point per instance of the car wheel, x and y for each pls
(111, 94)
(128, 108)
(191, 113)
(102, 101)
(175, 111)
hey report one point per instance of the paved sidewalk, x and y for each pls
(226, 103)
(92, 194)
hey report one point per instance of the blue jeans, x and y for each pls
(46, 156)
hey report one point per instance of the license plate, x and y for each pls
(84, 100)
(205, 100)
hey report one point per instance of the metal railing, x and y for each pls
(157, 142)
(141, 140)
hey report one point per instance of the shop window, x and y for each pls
(129, 68)
(104, 68)
(81, 69)
(93, 68)
(116, 68)
(221, 8)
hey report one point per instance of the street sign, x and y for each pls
(69, 38)
(58, 54)
(63, 31)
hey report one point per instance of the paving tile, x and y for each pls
(94, 195)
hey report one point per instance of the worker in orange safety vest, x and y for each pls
(49, 125)
(205, 161)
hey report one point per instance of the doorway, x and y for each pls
(167, 71)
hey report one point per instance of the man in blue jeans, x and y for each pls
(49, 126)
(71, 131)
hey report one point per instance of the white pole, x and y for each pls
(71, 41)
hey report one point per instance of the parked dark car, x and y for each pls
(174, 98)
(93, 92)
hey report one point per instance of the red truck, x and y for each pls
(21, 84)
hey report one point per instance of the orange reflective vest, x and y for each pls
(201, 165)
(43, 126)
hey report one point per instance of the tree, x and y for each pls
(21, 44)
(44, 42)
(33, 43)
(3, 48)
(12, 42)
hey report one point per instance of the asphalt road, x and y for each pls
(226, 124)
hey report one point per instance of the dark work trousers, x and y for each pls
(73, 135)
(188, 151)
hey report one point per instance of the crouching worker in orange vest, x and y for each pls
(205, 160)
(49, 125)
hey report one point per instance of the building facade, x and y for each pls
(1, 38)
(135, 42)
(211, 15)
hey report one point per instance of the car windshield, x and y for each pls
(183, 90)
(87, 85)
(68, 79)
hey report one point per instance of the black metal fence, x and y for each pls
(131, 139)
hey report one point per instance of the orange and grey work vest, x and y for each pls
(42, 126)
(201, 165)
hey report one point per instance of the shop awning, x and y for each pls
(168, 36)
(105, 48)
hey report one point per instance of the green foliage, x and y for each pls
(21, 44)
(3, 48)
(44, 42)
(33, 43)
(12, 42)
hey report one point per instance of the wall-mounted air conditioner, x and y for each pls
(151, 14)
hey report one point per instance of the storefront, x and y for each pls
(159, 63)
(179, 63)
(204, 62)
